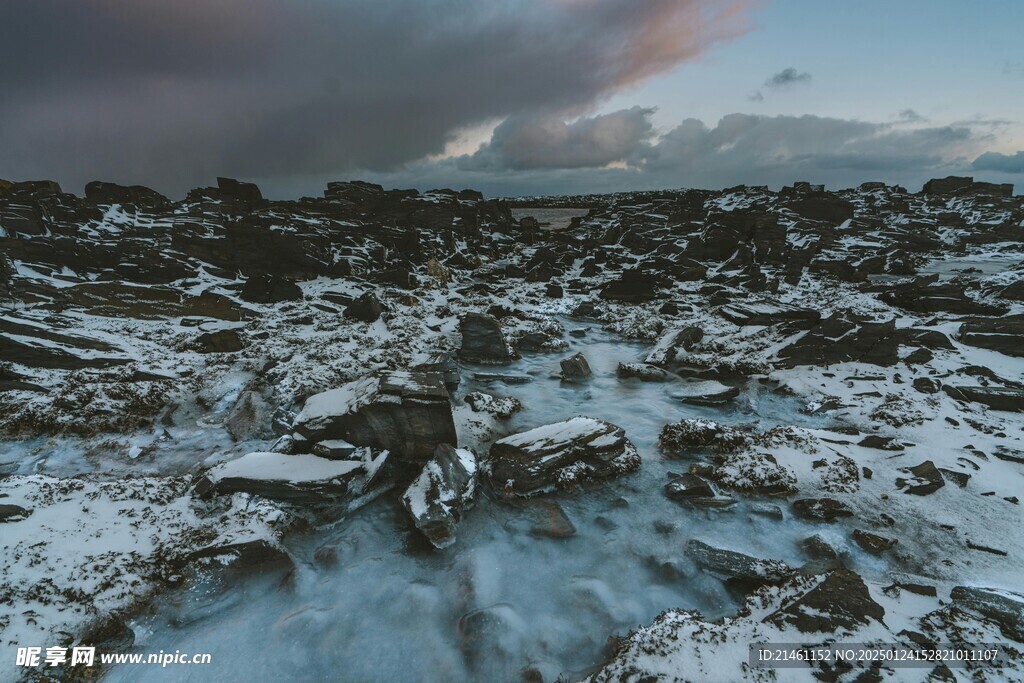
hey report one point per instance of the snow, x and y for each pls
(295, 469)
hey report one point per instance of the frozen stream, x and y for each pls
(371, 601)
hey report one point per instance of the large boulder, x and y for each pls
(560, 455)
(407, 413)
(440, 494)
(238, 190)
(482, 339)
(1002, 335)
(366, 308)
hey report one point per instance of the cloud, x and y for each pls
(171, 93)
(532, 142)
(1001, 163)
(739, 149)
(758, 96)
(787, 76)
(911, 116)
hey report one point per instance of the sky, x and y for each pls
(511, 97)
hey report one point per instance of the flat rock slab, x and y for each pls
(407, 413)
(706, 393)
(769, 314)
(997, 398)
(560, 455)
(278, 476)
(737, 568)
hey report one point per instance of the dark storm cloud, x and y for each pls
(530, 142)
(173, 92)
(741, 148)
(787, 76)
(1001, 163)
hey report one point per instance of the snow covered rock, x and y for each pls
(560, 455)
(440, 494)
(407, 413)
(482, 339)
(668, 348)
(644, 372)
(291, 478)
(706, 393)
(501, 408)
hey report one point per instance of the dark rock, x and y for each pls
(1005, 336)
(873, 543)
(644, 372)
(575, 368)
(737, 569)
(234, 189)
(818, 548)
(407, 413)
(962, 185)
(820, 509)
(482, 339)
(841, 601)
(927, 385)
(689, 486)
(554, 291)
(13, 513)
(840, 338)
(633, 286)
(270, 289)
(997, 398)
(561, 454)
(883, 443)
(437, 498)
(366, 308)
(926, 480)
(221, 341)
(136, 195)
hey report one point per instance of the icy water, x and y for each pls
(371, 602)
(550, 219)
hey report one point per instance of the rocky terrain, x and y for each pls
(785, 417)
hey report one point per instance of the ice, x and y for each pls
(392, 612)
